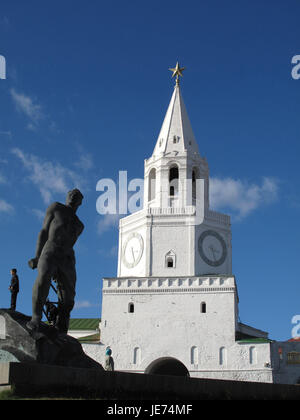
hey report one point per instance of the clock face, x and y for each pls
(212, 248)
(133, 250)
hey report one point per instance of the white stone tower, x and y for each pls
(176, 234)
(174, 305)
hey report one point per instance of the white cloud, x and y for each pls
(85, 162)
(81, 304)
(34, 111)
(108, 222)
(6, 133)
(26, 105)
(48, 177)
(39, 214)
(3, 180)
(5, 207)
(4, 22)
(109, 253)
(31, 127)
(114, 251)
(239, 197)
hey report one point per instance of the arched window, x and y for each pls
(173, 180)
(203, 308)
(170, 261)
(252, 356)
(136, 356)
(222, 356)
(195, 176)
(131, 308)
(194, 355)
(152, 185)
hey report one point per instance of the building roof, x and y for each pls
(246, 331)
(176, 134)
(84, 324)
(90, 339)
(254, 340)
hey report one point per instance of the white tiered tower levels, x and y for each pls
(174, 305)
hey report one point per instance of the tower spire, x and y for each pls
(176, 134)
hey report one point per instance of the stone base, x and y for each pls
(32, 380)
(48, 346)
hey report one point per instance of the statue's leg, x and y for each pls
(40, 292)
(66, 295)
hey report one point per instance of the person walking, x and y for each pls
(14, 288)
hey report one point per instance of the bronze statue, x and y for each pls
(55, 260)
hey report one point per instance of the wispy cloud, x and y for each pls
(4, 22)
(82, 304)
(5, 207)
(109, 253)
(85, 162)
(48, 177)
(29, 107)
(7, 134)
(108, 222)
(3, 180)
(40, 215)
(241, 198)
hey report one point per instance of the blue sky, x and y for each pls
(86, 91)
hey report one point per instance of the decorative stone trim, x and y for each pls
(169, 285)
(164, 291)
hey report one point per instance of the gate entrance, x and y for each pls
(167, 366)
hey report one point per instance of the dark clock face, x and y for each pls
(212, 248)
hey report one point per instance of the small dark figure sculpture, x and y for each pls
(14, 288)
(55, 259)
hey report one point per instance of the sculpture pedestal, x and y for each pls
(46, 347)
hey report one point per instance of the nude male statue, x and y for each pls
(55, 259)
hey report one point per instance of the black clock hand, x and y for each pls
(132, 251)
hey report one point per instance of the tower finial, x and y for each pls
(177, 71)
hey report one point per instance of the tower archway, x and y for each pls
(173, 180)
(167, 366)
(152, 185)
